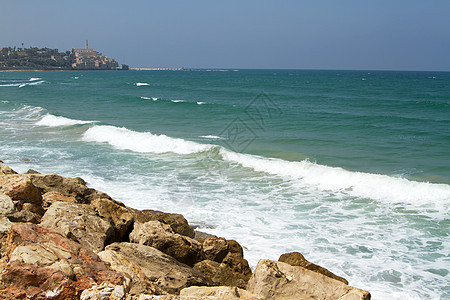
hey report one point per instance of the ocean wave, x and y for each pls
(50, 120)
(142, 83)
(35, 79)
(213, 137)
(200, 102)
(357, 184)
(149, 98)
(142, 142)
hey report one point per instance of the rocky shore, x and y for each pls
(60, 239)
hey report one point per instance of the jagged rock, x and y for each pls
(50, 197)
(215, 249)
(238, 264)
(66, 186)
(162, 237)
(216, 292)
(5, 170)
(221, 274)
(43, 263)
(176, 221)
(25, 216)
(119, 215)
(201, 236)
(20, 188)
(5, 224)
(6, 205)
(104, 291)
(297, 259)
(235, 247)
(31, 171)
(148, 267)
(278, 280)
(79, 223)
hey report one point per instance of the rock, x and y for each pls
(20, 188)
(5, 170)
(297, 259)
(79, 223)
(31, 171)
(162, 237)
(278, 280)
(200, 236)
(25, 216)
(5, 224)
(216, 292)
(221, 274)
(238, 264)
(43, 263)
(104, 291)
(235, 247)
(150, 268)
(50, 197)
(115, 212)
(176, 221)
(215, 249)
(6, 205)
(66, 186)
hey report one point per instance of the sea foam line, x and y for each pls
(50, 120)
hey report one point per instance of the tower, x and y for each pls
(87, 44)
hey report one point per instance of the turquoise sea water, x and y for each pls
(350, 168)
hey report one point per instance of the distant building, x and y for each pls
(89, 59)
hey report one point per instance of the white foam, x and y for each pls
(21, 85)
(143, 142)
(200, 103)
(356, 184)
(141, 83)
(34, 79)
(213, 137)
(50, 120)
(149, 98)
(178, 101)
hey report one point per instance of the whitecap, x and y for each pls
(50, 120)
(141, 84)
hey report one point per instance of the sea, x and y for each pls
(350, 168)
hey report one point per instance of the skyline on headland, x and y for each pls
(405, 35)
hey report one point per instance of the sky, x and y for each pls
(268, 34)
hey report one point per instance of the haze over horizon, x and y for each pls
(356, 35)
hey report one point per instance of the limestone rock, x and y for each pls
(297, 259)
(118, 215)
(50, 197)
(79, 223)
(215, 249)
(278, 280)
(5, 224)
(20, 188)
(216, 292)
(66, 186)
(6, 205)
(162, 237)
(5, 170)
(104, 291)
(148, 267)
(200, 236)
(44, 264)
(221, 274)
(176, 221)
(238, 264)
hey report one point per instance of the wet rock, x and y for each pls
(278, 280)
(79, 223)
(176, 221)
(149, 267)
(43, 263)
(297, 259)
(216, 292)
(162, 237)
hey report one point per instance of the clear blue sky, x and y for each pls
(346, 34)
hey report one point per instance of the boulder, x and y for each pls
(104, 291)
(20, 189)
(151, 270)
(44, 264)
(216, 292)
(50, 197)
(5, 170)
(176, 221)
(215, 249)
(238, 264)
(221, 274)
(297, 259)
(6, 205)
(162, 237)
(200, 236)
(70, 187)
(278, 280)
(117, 214)
(79, 223)
(5, 224)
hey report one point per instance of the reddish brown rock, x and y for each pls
(20, 189)
(50, 197)
(297, 259)
(44, 263)
(162, 237)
